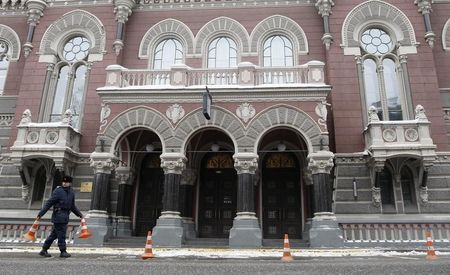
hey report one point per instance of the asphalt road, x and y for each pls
(30, 263)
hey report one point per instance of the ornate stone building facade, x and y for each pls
(234, 120)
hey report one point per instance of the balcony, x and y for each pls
(54, 140)
(246, 74)
(386, 139)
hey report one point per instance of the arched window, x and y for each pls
(71, 82)
(278, 52)
(4, 64)
(167, 53)
(222, 53)
(382, 80)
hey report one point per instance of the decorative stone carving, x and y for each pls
(320, 162)
(423, 195)
(51, 137)
(124, 175)
(175, 113)
(411, 134)
(376, 196)
(67, 117)
(373, 114)
(322, 112)
(245, 111)
(188, 177)
(104, 114)
(26, 117)
(246, 163)
(103, 162)
(173, 163)
(420, 113)
(26, 193)
(32, 137)
(389, 135)
(424, 6)
(324, 7)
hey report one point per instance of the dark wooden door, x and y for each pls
(151, 190)
(217, 204)
(281, 203)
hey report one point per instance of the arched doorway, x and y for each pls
(151, 184)
(218, 195)
(281, 196)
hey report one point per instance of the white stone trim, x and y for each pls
(168, 28)
(77, 21)
(12, 39)
(446, 36)
(279, 25)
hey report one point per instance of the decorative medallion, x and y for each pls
(411, 134)
(175, 113)
(389, 135)
(52, 137)
(32, 137)
(245, 111)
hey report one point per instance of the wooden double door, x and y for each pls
(281, 202)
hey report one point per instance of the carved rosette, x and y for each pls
(245, 111)
(246, 163)
(173, 163)
(376, 196)
(103, 163)
(320, 162)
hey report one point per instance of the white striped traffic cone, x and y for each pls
(287, 257)
(31, 234)
(148, 253)
(85, 233)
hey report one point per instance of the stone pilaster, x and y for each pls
(168, 231)
(98, 217)
(122, 9)
(188, 178)
(35, 12)
(324, 9)
(424, 7)
(125, 177)
(246, 231)
(325, 231)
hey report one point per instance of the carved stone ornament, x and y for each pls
(320, 162)
(173, 164)
(373, 114)
(423, 195)
(25, 193)
(103, 162)
(245, 111)
(26, 117)
(124, 175)
(188, 177)
(324, 7)
(246, 164)
(411, 135)
(322, 112)
(420, 113)
(104, 114)
(389, 135)
(51, 137)
(67, 117)
(424, 6)
(175, 113)
(376, 196)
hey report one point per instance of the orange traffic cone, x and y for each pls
(431, 255)
(85, 233)
(287, 257)
(31, 234)
(148, 253)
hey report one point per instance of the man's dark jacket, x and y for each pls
(63, 202)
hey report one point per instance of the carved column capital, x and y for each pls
(124, 175)
(35, 11)
(320, 162)
(188, 177)
(424, 6)
(103, 162)
(173, 163)
(245, 163)
(324, 7)
(122, 13)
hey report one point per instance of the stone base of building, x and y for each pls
(246, 232)
(189, 228)
(168, 231)
(325, 231)
(100, 226)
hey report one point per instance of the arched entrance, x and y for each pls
(218, 195)
(281, 199)
(151, 189)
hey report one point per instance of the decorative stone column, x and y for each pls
(125, 177)
(98, 217)
(425, 9)
(35, 12)
(187, 183)
(324, 8)
(122, 9)
(246, 231)
(169, 226)
(325, 231)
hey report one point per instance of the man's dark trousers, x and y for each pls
(59, 231)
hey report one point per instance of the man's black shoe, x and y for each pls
(44, 253)
(64, 254)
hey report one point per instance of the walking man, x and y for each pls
(63, 202)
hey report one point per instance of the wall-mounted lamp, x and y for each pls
(215, 147)
(281, 147)
(149, 147)
(355, 191)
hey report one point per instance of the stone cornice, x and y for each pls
(189, 95)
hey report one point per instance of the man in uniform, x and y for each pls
(63, 202)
